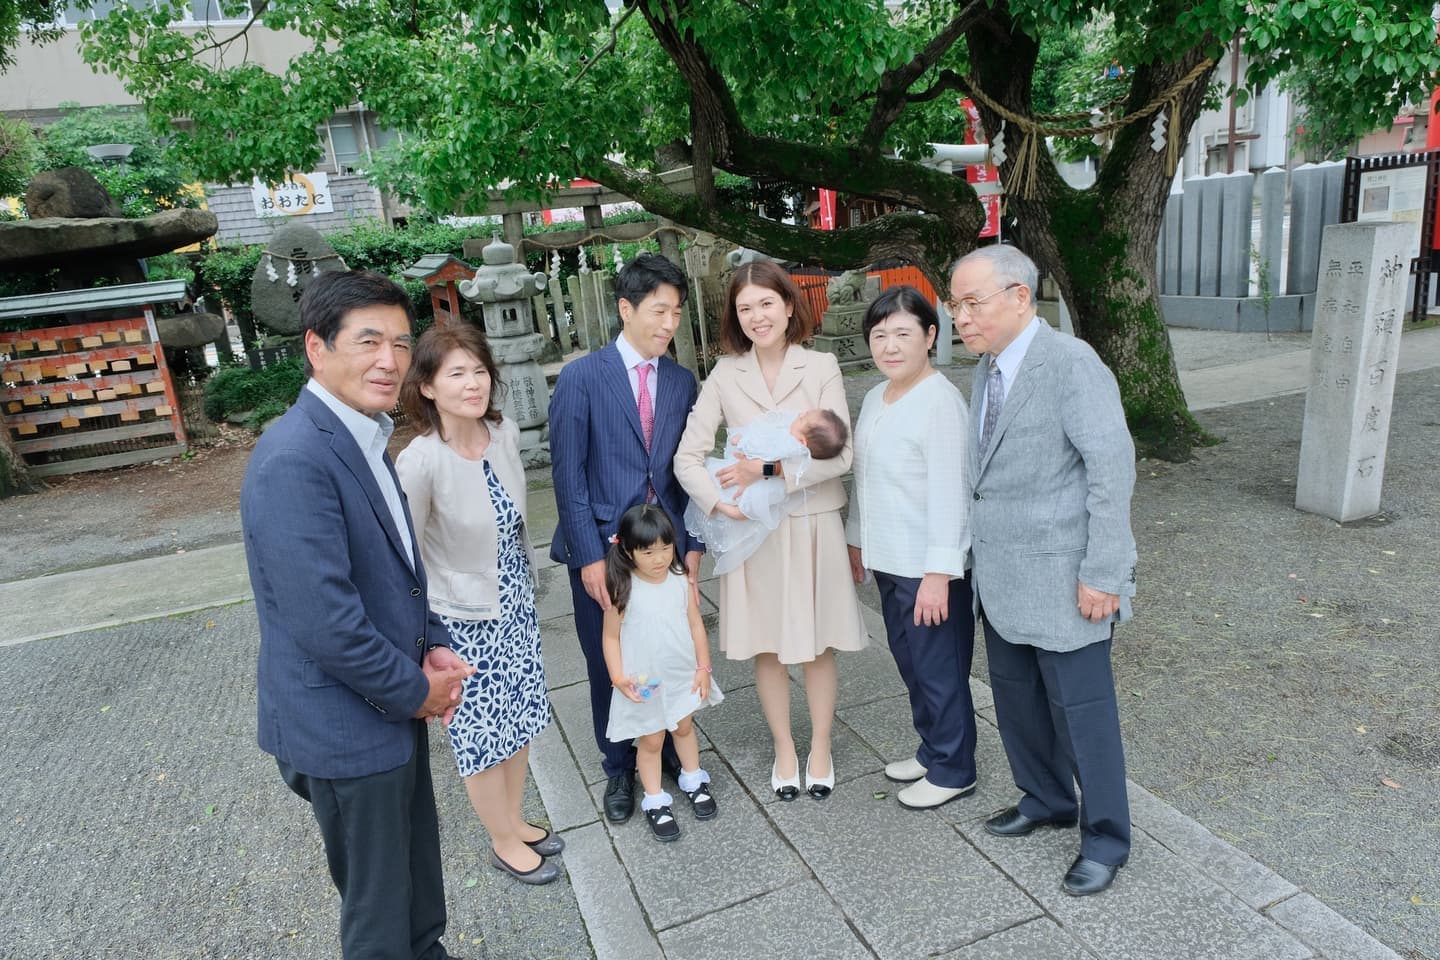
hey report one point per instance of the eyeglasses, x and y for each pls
(969, 305)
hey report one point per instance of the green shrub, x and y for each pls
(240, 389)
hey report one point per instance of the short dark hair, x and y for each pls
(768, 274)
(900, 299)
(640, 526)
(641, 276)
(430, 352)
(329, 297)
(826, 437)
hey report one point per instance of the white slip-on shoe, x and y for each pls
(924, 795)
(905, 771)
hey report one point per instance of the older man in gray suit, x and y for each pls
(1051, 473)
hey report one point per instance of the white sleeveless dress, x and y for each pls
(655, 641)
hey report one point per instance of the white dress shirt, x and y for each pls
(632, 359)
(909, 515)
(371, 435)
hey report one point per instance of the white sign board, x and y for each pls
(1397, 196)
(295, 196)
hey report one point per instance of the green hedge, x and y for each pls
(262, 393)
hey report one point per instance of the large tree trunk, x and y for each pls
(15, 477)
(1099, 243)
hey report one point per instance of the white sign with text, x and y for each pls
(295, 196)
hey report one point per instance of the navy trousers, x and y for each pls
(1060, 724)
(382, 842)
(934, 662)
(616, 758)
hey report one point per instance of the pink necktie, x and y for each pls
(647, 409)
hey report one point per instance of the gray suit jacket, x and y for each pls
(1051, 496)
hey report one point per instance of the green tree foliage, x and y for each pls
(151, 179)
(18, 155)
(22, 20)
(841, 94)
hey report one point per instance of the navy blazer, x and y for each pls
(597, 452)
(344, 622)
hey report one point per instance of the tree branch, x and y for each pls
(891, 98)
(609, 46)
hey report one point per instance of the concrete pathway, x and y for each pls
(855, 875)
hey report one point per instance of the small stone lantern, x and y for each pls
(504, 289)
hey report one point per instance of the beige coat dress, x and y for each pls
(794, 596)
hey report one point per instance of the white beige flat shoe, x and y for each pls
(905, 771)
(924, 795)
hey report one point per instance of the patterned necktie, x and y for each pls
(647, 408)
(994, 398)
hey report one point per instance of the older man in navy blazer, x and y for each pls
(603, 464)
(1051, 472)
(352, 663)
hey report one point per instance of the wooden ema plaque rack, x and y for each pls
(93, 395)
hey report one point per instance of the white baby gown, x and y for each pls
(731, 542)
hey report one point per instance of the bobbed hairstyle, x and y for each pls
(329, 297)
(640, 277)
(900, 299)
(431, 350)
(767, 274)
(642, 525)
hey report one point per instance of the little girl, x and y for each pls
(659, 661)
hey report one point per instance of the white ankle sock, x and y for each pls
(692, 779)
(654, 801)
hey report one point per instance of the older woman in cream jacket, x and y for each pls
(466, 487)
(793, 600)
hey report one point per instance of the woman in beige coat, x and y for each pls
(793, 600)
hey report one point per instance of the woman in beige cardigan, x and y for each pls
(466, 487)
(793, 600)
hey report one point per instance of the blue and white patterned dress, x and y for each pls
(504, 704)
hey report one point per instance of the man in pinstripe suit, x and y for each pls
(603, 463)
(1053, 558)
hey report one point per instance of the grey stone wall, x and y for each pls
(354, 198)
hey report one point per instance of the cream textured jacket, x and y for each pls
(455, 520)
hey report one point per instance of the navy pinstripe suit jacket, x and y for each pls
(597, 452)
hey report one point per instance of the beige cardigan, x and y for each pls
(735, 393)
(455, 520)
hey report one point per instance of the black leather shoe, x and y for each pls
(620, 797)
(1010, 822)
(662, 824)
(702, 801)
(1088, 876)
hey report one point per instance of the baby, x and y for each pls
(741, 522)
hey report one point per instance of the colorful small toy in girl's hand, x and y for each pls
(643, 685)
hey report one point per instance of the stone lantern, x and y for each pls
(504, 289)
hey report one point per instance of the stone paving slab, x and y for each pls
(801, 919)
(1159, 908)
(1253, 882)
(738, 730)
(614, 920)
(909, 883)
(1330, 934)
(714, 864)
(1039, 939)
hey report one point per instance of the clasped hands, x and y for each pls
(446, 673)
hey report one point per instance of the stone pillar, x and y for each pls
(576, 292)
(1354, 357)
(587, 311)
(944, 337)
(1237, 198)
(557, 297)
(1189, 268)
(1272, 226)
(845, 318)
(685, 334)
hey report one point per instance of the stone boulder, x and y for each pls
(189, 329)
(36, 244)
(294, 255)
(68, 192)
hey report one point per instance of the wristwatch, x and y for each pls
(767, 469)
